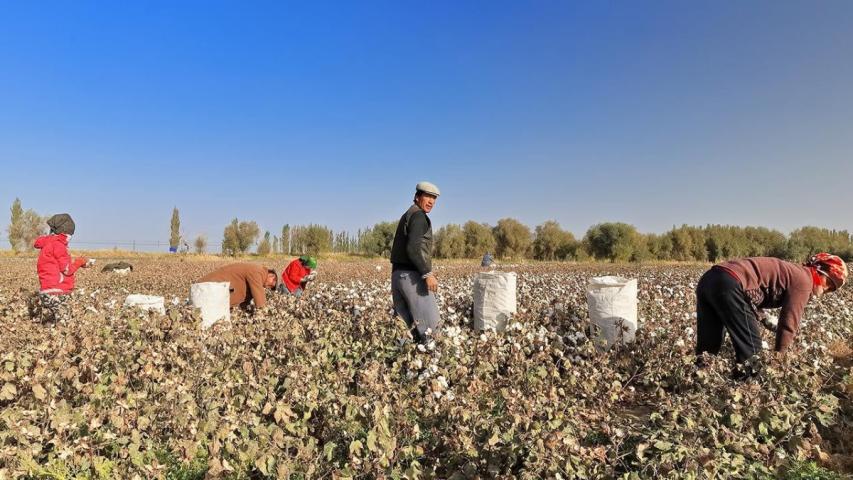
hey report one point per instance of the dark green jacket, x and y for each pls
(412, 248)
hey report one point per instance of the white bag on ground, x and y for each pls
(494, 300)
(214, 301)
(613, 308)
(146, 302)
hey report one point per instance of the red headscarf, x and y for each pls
(830, 266)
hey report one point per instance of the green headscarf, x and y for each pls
(309, 262)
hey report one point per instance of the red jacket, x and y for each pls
(293, 275)
(55, 267)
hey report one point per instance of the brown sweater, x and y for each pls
(772, 283)
(247, 282)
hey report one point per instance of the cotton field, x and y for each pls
(330, 386)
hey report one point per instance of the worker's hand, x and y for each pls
(432, 283)
(83, 262)
(770, 322)
(310, 277)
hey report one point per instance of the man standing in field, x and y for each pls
(248, 282)
(413, 284)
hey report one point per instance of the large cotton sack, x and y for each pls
(146, 302)
(613, 309)
(214, 301)
(494, 300)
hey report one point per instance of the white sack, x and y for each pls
(613, 308)
(494, 300)
(214, 300)
(146, 302)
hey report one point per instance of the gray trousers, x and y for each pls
(415, 303)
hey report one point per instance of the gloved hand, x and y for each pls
(281, 289)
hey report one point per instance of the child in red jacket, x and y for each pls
(56, 270)
(296, 276)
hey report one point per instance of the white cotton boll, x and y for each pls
(679, 343)
(689, 331)
(765, 345)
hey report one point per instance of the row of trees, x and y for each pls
(509, 238)
(622, 242)
(240, 236)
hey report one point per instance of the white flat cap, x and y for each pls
(427, 187)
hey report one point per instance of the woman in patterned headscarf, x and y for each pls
(731, 295)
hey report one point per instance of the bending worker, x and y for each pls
(731, 296)
(413, 283)
(249, 282)
(296, 276)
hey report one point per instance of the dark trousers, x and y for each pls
(722, 305)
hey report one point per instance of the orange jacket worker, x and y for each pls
(249, 282)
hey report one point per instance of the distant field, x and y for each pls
(323, 387)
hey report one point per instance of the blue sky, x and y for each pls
(652, 113)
